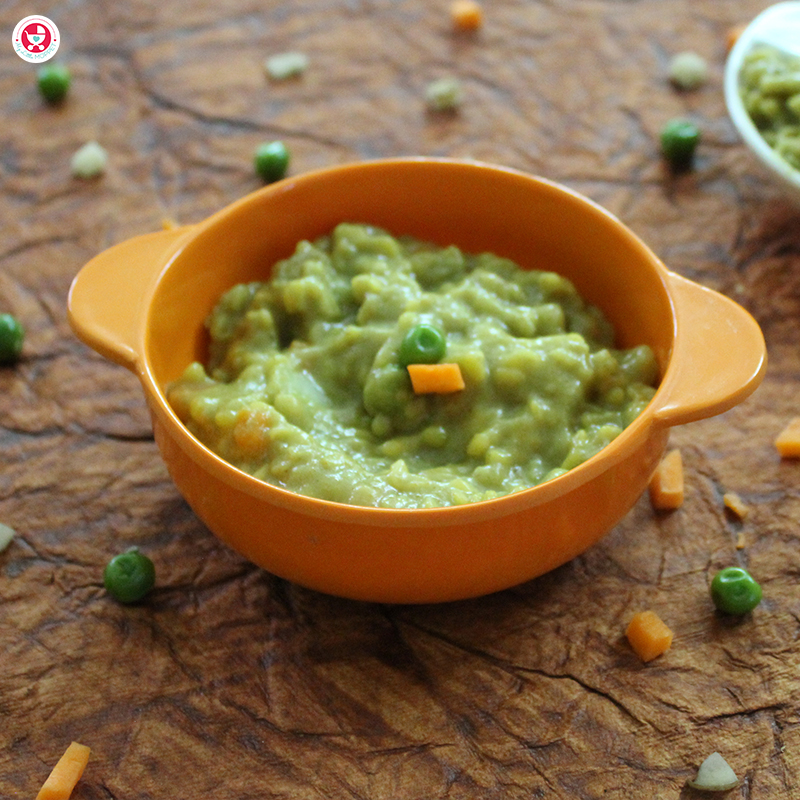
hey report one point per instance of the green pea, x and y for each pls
(11, 338)
(679, 139)
(54, 81)
(734, 591)
(271, 161)
(423, 344)
(129, 576)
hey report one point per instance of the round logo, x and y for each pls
(36, 39)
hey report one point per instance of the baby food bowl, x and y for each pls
(142, 304)
(778, 25)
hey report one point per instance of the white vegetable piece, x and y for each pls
(88, 162)
(688, 71)
(6, 535)
(286, 65)
(444, 94)
(715, 775)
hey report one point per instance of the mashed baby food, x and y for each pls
(770, 88)
(306, 387)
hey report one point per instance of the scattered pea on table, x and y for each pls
(679, 140)
(12, 336)
(54, 81)
(734, 591)
(271, 161)
(129, 576)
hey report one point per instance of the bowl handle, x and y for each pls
(106, 300)
(718, 357)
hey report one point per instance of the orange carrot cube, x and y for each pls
(787, 442)
(666, 484)
(467, 15)
(648, 635)
(435, 378)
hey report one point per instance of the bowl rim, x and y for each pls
(733, 100)
(633, 436)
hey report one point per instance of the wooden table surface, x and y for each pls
(229, 683)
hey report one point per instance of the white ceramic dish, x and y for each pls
(778, 25)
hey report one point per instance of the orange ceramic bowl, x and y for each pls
(142, 304)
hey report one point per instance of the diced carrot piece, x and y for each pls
(66, 773)
(666, 485)
(788, 440)
(735, 504)
(732, 36)
(467, 15)
(648, 635)
(251, 432)
(435, 378)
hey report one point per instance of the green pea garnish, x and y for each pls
(423, 344)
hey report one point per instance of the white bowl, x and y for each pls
(778, 25)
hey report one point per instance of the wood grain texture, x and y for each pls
(229, 683)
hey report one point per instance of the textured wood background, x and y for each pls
(231, 684)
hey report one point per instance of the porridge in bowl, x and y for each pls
(307, 384)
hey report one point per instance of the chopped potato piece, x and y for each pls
(715, 775)
(6, 536)
(89, 161)
(286, 65)
(444, 94)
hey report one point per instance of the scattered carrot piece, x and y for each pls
(435, 378)
(732, 36)
(735, 504)
(741, 542)
(666, 485)
(788, 440)
(648, 635)
(66, 773)
(467, 15)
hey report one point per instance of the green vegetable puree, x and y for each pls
(770, 89)
(304, 387)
